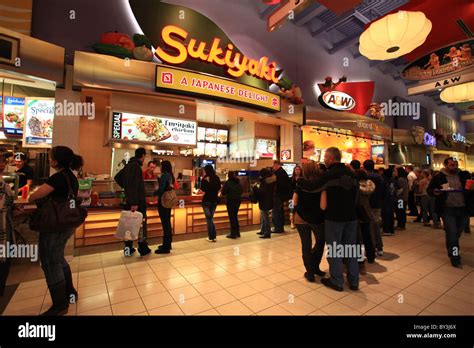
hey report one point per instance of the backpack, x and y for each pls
(120, 178)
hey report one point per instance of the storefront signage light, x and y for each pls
(170, 79)
(237, 64)
(429, 140)
(339, 101)
(458, 138)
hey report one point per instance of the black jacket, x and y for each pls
(283, 184)
(308, 206)
(436, 183)
(342, 191)
(211, 189)
(376, 198)
(134, 185)
(232, 190)
(265, 193)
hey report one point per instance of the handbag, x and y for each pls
(129, 226)
(58, 215)
(169, 198)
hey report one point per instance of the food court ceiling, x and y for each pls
(342, 25)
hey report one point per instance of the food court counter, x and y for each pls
(187, 217)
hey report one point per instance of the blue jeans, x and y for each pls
(278, 214)
(433, 214)
(454, 223)
(209, 210)
(345, 234)
(51, 253)
(265, 222)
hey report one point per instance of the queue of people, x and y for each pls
(341, 205)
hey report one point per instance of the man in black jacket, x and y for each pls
(340, 219)
(134, 188)
(452, 203)
(282, 194)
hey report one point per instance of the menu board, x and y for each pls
(222, 136)
(13, 115)
(266, 148)
(201, 134)
(135, 127)
(378, 154)
(199, 151)
(211, 135)
(221, 150)
(210, 150)
(38, 131)
(346, 157)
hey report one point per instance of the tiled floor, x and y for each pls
(263, 277)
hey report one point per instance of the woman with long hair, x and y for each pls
(166, 182)
(309, 219)
(52, 242)
(297, 174)
(232, 191)
(210, 185)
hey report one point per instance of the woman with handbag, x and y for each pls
(60, 187)
(309, 219)
(166, 188)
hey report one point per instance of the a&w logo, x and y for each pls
(338, 101)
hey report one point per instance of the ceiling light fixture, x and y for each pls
(459, 93)
(394, 35)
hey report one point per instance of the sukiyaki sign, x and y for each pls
(236, 63)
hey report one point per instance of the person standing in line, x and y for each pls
(354, 165)
(340, 224)
(6, 228)
(51, 244)
(402, 198)
(417, 192)
(411, 177)
(166, 182)
(297, 174)
(432, 205)
(309, 219)
(232, 191)
(453, 202)
(425, 198)
(364, 214)
(376, 202)
(467, 227)
(265, 195)
(282, 194)
(210, 185)
(390, 198)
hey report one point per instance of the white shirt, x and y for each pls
(411, 179)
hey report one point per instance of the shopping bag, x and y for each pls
(129, 225)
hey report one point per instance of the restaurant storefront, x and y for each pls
(358, 137)
(28, 83)
(185, 116)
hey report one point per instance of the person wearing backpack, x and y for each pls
(131, 179)
(166, 183)
(51, 243)
(232, 191)
(210, 185)
(282, 194)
